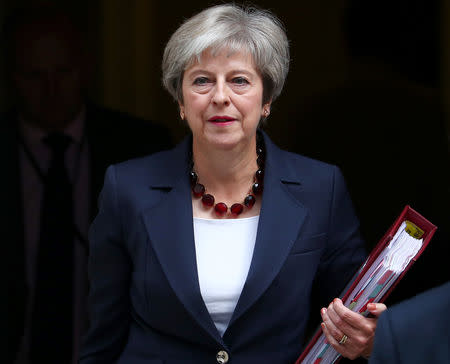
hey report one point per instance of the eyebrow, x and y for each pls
(202, 71)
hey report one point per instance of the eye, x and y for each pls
(240, 81)
(201, 81)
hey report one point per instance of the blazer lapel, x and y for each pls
(280, 221)
(170, 228)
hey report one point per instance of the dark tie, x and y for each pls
(51, 338)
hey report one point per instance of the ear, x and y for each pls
(265, 111)
(182, 115)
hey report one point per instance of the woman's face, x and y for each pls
(222, 99)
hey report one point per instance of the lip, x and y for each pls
(221, 119)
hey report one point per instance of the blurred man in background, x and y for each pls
(57, 147)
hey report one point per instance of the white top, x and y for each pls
(224, 250)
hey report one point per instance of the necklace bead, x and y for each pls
(221, 208)
(236, 209)
(208, 200)
(259, 175)
(257, 188)
(193, 177)
(249, 201)
(198, 190)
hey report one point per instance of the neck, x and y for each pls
(226, 173)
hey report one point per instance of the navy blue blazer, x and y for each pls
(145, 300)
(416, 330)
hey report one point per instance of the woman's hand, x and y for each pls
(350, 333)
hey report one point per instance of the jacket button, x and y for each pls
(222, 357)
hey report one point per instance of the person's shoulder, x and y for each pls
(149, 164)
(313, 174)
(424, 307)
(410, 324)
(306, 167)
(280, 155)
(432, 300)
(162, 167)
(303, 160)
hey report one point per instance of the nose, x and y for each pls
(221, 95)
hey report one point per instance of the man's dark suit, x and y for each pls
(145, 300)
(416, 330)
(112, 137)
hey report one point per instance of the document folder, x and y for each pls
(388, 262)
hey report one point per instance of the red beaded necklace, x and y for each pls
(198, 190)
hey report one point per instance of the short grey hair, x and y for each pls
(236, 28)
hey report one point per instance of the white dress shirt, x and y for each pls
(224, 251)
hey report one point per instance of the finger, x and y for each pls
(354, 319)
(341, 349)
(334, 331)
(376, 308)
(347, 348)
(364, 328)
(340, 323)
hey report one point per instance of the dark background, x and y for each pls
(333, 42)
(367, 90)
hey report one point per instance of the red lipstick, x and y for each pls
(221, 120)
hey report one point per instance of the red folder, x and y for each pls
(407, 214)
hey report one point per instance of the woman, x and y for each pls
(213, 251)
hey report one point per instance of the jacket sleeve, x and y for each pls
(345, 250)
(109, 271)
(384, 348)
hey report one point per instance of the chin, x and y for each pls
(227, 142)
(222, 140)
